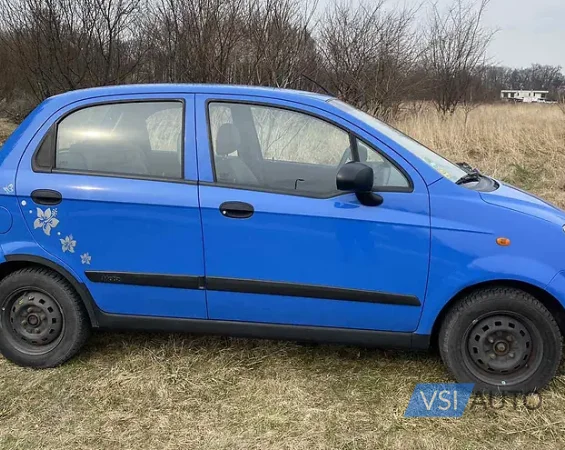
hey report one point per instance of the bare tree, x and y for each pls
(232, 41)
(194, 40)
(59, 45)
(368, 53)
(278, 46)
(457, 44)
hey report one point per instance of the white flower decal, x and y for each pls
(85, 258)
(68, 244)
(46, 220)
(9, 189)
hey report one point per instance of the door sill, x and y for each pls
(364, 338)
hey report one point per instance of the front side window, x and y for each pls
(387, 175)
(137, 139)
(439, 163)
(277, 149)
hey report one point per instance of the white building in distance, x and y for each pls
(524, 96)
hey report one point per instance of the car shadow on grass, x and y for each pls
(115, 349)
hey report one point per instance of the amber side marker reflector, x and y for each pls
(502, 241)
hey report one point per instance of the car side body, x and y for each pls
(176, 248)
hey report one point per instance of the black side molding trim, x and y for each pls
(364, 338)
(252, 287)
(307, 290)
(146, 279)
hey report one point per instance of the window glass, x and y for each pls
(387, 175)
(439, 163)
(275, 149)
(123, 138)
(286, 135)
(282, 150)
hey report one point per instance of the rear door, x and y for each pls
(281, 244)
(111, 192)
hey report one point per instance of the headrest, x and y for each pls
(227, 139)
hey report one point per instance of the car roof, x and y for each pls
(220, 89)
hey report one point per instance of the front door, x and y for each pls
(282, 245)
(112, 194)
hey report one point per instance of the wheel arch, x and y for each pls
(548, 300)
(19, 261)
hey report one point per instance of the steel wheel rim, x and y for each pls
(32, 320)
(502, 348)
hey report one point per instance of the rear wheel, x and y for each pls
(43, 322)
(501, 339)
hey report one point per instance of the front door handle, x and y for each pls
(46, 197)
(237, 210)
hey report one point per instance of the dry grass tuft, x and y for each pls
(178, 392)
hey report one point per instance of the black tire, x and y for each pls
(43, 322)
(501, 339)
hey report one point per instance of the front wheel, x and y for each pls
(43, 322)
(502, 340)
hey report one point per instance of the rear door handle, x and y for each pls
(237, 210)
(46, 197)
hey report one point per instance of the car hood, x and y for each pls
(513, 198)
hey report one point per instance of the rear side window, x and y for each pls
(136, 139)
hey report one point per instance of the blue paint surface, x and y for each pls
(430, 243)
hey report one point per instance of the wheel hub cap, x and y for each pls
(501, 348)
(499, 345)
(36, 318)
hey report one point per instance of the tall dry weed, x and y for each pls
(522, 144)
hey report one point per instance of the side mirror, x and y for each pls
(358, 177)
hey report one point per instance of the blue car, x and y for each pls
(269, 213)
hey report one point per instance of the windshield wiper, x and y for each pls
(466, 167)
(469, 177)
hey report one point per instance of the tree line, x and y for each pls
(374, 55)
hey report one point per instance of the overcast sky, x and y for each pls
(530, 31)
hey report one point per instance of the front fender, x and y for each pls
(443, 287)
(556, 287)
(465, 252)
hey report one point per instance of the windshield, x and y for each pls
(439, 163)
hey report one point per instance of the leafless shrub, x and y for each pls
(193, 40)
(457, 44)
(278, 45)
(368, 53)
(58, 45)
(231, 41)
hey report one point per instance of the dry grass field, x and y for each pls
(152, 391)
(5, 129)
(522, 144)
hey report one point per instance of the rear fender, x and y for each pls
(30, 253)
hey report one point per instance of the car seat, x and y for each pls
(231, 168)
